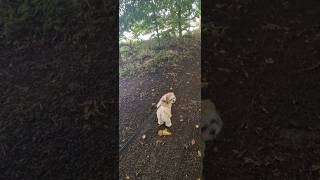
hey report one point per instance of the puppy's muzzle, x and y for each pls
(173, 100)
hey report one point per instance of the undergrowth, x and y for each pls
(146, 56)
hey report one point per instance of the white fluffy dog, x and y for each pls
(164, 109)
(211, 123)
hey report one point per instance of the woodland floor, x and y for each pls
(158, 157)
(261, 60)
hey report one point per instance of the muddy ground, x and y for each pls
(55, 115)
(261, 59)
(170, 157)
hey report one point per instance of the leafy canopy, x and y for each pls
(160, 18)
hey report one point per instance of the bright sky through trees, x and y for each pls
(145, 19)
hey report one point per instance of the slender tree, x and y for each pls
(158, 17)
(156, 23)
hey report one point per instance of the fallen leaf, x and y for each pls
(264, 110)
(159, 142)
(240, 154)
(222, 51)
(271, 26)
(199, 153)
(315, 167)
(267, 163)
(224, 69)
(193, 141)
(269, 61)
(279, 158)
(164, 132)
(276, 172)
(143, 136)
(235, 151)
(246, 73)
(248, 160)
(251, 161)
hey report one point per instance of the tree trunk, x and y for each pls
(178, 5)
(156, 22)
(158, 36)
(189, 19)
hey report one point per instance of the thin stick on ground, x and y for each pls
(308, 68)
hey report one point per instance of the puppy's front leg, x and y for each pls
(168, 123)
(160, 122)
(158, 105)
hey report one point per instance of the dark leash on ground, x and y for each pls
(142, 125)
(123, 147)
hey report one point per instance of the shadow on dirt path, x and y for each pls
(170, 157)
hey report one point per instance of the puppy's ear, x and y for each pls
(164, 100)
(167, 99)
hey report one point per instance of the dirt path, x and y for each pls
(172, 157)
(263, 76)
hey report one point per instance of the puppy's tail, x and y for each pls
(155, 106)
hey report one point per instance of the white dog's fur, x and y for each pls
(164, 109)
(211, 123)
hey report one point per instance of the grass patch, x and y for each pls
(147, 56)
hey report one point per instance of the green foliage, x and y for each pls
(163, 18)
(166, 55)
(146, 56)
